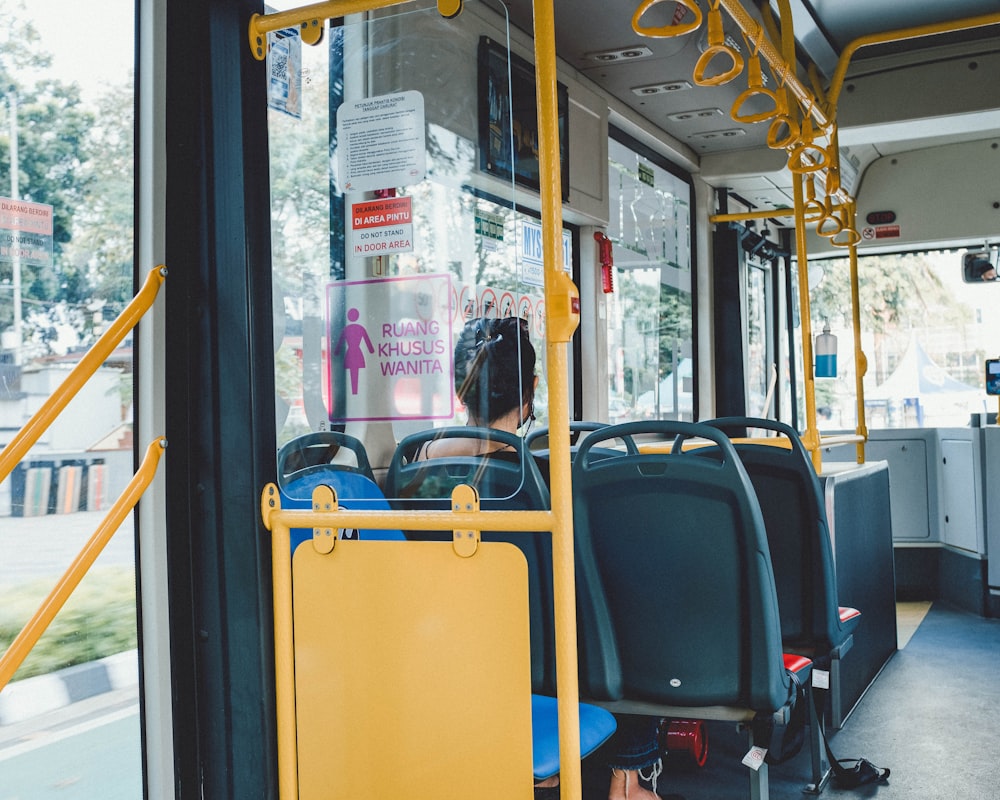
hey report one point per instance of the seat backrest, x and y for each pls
(791, 501)
(538, 444)
(510, 482)
(676, 595)
(319, 449)
(303, 464)
(505, 480)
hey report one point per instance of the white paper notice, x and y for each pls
(381, 143)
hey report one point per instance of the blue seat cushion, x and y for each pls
(596, 726)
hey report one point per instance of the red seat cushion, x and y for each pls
(796, 663)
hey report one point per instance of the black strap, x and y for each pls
(848, 773)
(794, 734)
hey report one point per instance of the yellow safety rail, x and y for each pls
(562, 304)
(35, 627)
(837, 83)
(22, 442)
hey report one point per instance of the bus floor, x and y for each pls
(930, 716)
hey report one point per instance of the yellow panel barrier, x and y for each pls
(35, 627)
(439, 681)
(81, 373)
(421, 658)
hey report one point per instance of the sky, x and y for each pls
(91, 44)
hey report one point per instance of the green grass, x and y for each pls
(98, 620)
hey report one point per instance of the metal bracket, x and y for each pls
(465, 498)
(270, 500)
(324, 500)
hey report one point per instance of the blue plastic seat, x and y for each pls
(596, 727)
(813, 622)
(677, 608)
(303, 464)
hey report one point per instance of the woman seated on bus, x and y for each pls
(496, 386)
(495, 380)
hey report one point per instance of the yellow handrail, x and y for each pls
(837, 83)
(307, 19)
(35, 627)
(82, 372)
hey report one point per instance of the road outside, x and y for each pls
(86, 749)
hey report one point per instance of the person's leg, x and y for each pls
(548, 789)
(636, 748)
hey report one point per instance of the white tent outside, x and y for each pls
(919, 383)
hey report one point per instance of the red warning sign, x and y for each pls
(382, 226)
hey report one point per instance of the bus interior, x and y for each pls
(727, 236)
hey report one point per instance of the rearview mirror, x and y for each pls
(979, 266)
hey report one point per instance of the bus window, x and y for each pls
(67, 261)
(650, 313)
(761, 371)
(926, 334)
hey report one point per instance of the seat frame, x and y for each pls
(792, 503)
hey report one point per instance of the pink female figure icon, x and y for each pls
(353, 335)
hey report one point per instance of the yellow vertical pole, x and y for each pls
(860, 361)
(284, 656)
(811, 436)
(562, 303)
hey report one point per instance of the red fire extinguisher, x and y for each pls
(607, 262)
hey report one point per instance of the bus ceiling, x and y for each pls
(852, 52)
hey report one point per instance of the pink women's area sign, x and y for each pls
(390, 348)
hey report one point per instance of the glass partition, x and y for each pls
(398, 148)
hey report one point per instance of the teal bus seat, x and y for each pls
(538, 444)
(677, 608)
(320, 449)
(506, 481)
(813, 622)
(304, 463)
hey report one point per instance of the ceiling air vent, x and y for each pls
(690, 116)
(620, 54)
(661, 88)
(710, 136)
